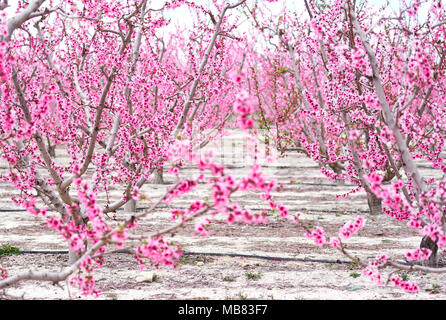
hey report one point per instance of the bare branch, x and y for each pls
(203, 63)
(16, 21)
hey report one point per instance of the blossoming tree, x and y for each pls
(359, 93)
(103, 82)
(363, 99)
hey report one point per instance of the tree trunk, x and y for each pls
(52, 151)
(72, 256)
(375, 204)
(130, 206)
(428, 243)
(51, 148)
(157, 176)
(336, 169)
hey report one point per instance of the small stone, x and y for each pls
(147, 276)
(200, 263)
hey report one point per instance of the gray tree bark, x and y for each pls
(157, 176)
(374, 203)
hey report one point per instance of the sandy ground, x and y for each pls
(214, 275)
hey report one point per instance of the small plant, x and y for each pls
(435, 289)
(228, 279)
(253, 276)
(352, 266)
(404, 276)
(355, 274)
(241, 296)
(6, 250)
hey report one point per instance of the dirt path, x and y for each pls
(226, 277)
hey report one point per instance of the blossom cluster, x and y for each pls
(318, 235)
(406, 285)
(84, 279)
(160, 253)
(243, 107)
(350, 228)
(3, 272)
(418, 254)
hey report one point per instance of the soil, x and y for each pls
(210, 270)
